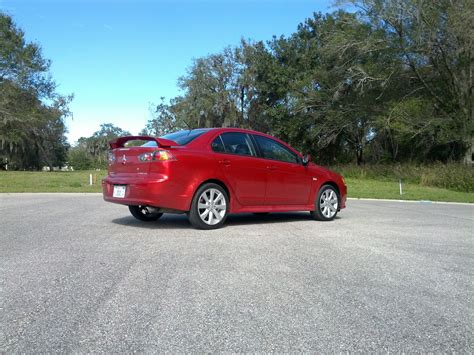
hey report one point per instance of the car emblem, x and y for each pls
(124, 159)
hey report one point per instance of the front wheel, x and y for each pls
(209, 207)
(144, 213)
(326, 205)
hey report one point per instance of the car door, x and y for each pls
(288, 181)
(237, 157)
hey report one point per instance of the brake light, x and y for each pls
(157, 155)
(163, 155)
(111, 157)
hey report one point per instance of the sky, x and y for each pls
(119, 57)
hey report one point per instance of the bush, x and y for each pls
(79, 159)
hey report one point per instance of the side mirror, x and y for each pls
(306, 159)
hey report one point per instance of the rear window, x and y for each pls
(184, 137)
(180, 137)
(150, 144)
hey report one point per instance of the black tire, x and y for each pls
(328, 214)
(194, 214)
(143, 214)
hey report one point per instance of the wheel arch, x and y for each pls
(332, 184)
(215, 181)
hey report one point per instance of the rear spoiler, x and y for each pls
(161, 142)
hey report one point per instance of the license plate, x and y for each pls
(119, 191)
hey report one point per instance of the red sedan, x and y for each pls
(210, 173)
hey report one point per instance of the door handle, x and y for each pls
(225, 162)
(271, 167)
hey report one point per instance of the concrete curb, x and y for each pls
(411, 201)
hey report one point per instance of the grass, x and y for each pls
(371, 188)
(58, 181)
(457, 177)
(385, 187)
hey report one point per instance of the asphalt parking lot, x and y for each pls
(81, 275)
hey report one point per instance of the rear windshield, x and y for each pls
(180, 137)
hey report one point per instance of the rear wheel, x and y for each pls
(144, 213)
(209, 207)
(326, 204)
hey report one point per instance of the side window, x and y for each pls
(238, 143)
(271, 149)
(217, 145)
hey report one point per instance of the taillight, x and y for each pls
(157, 155)
(111, 157)
(162, 155)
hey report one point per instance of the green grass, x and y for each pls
(359, 187)
(457, 177)
(370, 188)
(57, 181)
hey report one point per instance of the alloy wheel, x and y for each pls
(328, 203)
(212, 206)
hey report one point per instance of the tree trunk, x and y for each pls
(359, 154)
(469, 153)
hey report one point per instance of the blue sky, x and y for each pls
(118, 57)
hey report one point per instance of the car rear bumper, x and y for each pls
(156, 191)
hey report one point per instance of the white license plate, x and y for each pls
(119, 191)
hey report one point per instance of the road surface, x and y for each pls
(81, 275)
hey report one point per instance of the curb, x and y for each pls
(411, 201)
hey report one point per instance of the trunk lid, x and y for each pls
(126, 160)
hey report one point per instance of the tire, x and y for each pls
(209, 208)
(326, 204)
(142, 213)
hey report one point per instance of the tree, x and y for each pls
(435, 42)
(92, 151)
(32, 114)
(80, 159)
(318, 90)
(208, 95)
(163, 122)
(391, 82)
